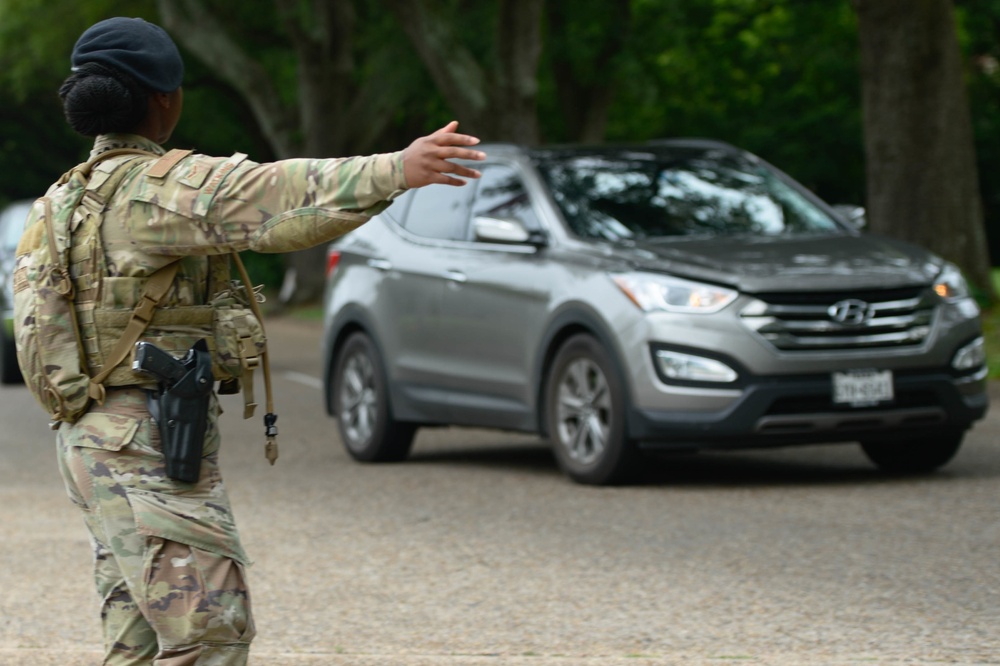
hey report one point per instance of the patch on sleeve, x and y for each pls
(207, 193)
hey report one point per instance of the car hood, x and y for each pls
(821, 262)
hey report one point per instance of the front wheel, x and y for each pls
(916, 455)
(360, 401)
(585, 412)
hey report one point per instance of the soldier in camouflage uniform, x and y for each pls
(169, 564)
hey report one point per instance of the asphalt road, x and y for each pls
(477, 551)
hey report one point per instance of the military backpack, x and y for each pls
(58, 274)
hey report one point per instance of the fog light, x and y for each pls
(970, 356)
(687, 367)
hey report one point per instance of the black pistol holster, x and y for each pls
(180, 409)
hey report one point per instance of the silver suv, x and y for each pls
(668, 296)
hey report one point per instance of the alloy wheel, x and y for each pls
(358, 399)
(584, 411)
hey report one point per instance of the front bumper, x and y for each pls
(778, 411)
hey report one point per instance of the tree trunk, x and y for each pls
(518, 44)
(201, 33)
(921, 170)
(332, 116)
(586, 87)
(496, 103)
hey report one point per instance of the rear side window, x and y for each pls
(440, 211)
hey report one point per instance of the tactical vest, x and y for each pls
(110, 313)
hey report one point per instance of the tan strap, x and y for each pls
(162, 166)
(60, 279)
(156, 289)
(88, 166)
(270, 430)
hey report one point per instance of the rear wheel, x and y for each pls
(360, 401)
(914, 455)
(585, 411)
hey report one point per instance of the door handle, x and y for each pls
(455, 276)
(380, 264)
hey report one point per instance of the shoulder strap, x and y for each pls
(155, 290)
(270, 418)
(86, 167)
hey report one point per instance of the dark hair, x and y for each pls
(101, 100)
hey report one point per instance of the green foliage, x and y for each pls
(265, 269)
(778, 77)
(991, 332)
(979, 34)
(37, 37)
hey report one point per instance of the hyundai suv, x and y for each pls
(670, 296)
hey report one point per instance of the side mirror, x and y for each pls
(505, 230)
(853, 215)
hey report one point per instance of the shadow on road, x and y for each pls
(841, 464)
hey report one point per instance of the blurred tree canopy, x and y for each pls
(781, 78)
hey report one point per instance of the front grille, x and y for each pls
(827, 321)
(819, 403)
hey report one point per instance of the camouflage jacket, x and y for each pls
(199, 209)
(216, 205)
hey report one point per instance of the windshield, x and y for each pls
(630, 196)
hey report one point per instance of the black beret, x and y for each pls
(134, 46)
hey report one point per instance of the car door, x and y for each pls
(410, 296)
(495, 304)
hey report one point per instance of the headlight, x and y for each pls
(950, 285)
(653, 292)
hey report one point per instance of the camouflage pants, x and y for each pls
(169, 565)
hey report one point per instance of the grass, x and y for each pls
(991, 332)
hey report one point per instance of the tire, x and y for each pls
(585, 414)
(10, 371)
(360, 402)
(917, 455)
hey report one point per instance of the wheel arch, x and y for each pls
(568, 321)
(349, 320)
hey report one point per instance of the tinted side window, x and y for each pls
(440, 211)
(501, 194)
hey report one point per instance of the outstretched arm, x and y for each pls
(215, 205)
(426, 160)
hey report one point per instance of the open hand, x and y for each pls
(426, 160)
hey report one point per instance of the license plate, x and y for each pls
(861, 388)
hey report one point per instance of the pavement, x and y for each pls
(477, 553)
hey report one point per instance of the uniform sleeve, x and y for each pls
(208, 205)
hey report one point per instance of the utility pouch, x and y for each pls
(181, 409)
(239, 342)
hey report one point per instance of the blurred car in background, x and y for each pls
(669, 296)
(11, 225)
